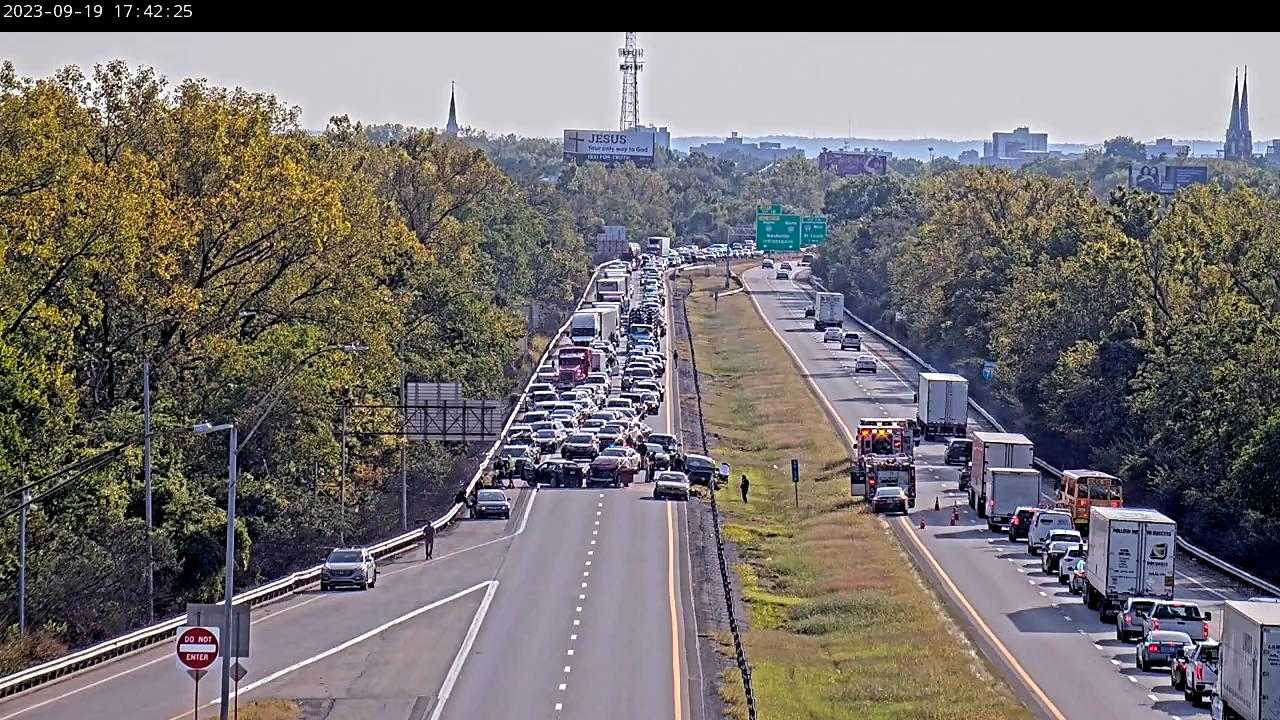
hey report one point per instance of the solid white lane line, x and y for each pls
(472, 632)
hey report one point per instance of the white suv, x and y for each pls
(1045, 522)
(354, 567)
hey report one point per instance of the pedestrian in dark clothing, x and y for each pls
(429, 539)
(745, 484)
(461, 499)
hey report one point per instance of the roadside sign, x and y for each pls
(236, 642)
(238, 671)
(813, 230)
(795, 470)
(788, 233)
(988, 370)
(197, 647)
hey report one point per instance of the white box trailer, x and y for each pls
(995, 450)
(828, 310)
(1249, 668)
(1008, 489)
(584, 327)
(942, 405)
(1131, 554)
(658, 245)
(610, 314)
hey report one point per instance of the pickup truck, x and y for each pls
(1196, 672)
(1178, 616)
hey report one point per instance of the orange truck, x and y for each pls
(1081, 490)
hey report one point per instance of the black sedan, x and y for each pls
(580, 446)
(1160, 647)
(889, 499)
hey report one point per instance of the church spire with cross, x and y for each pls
(451, 128)
(1239, 140)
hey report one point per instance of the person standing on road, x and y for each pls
(429, 539)
(461, 499)
(745, 485)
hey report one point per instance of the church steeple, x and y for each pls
(1239, 140)
(451, 128)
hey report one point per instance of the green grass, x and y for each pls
(267, 709)
(841, 626)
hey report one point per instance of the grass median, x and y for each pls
(841, 626)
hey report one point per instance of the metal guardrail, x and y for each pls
(1202, 555)
(96, 654)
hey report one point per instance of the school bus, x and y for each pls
(1084, 489)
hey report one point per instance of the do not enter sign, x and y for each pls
(197, 647)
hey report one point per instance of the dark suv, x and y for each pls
(1020, 523)
(959, 451)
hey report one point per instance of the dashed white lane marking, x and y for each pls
(1115, 662)
(559, 707)
(593, 542)
(599, 504)
(597, 522)
(562, 686)
(585, 573)
(1067, 618)
(570, 651)
(1020, 570)
(1031, 582)
(1097, 647)
(1133, 680)
(601, 494)
(1153, 697)
(584, 584)
(576, 623)
(1042, 594)
(591, 552)
(573, 637)
(598, 512)
(582, 597)
(566, 668)
(578, 609)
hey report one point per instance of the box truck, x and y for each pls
(995, 450)
(942, 405)
(1249, 666)
(1130, 555)
(1006, 490)
(584, 327)
(611, 289)
(658, 245)
(828, 310)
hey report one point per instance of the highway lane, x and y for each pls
(1047, 641)
(577, 607)
(594, 617)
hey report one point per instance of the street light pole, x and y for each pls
(146, 485)
(228, 586)
(404, 464)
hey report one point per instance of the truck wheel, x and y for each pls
(993, 526)
(982, 506)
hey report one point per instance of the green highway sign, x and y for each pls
(782, 233)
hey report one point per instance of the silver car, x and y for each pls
(1129, 619)
(670, 483)
(1160, 647)
(352, 567)
(493, 503)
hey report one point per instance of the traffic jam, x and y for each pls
(1118, 560)
(582, 422)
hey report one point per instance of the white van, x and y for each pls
(1045, 522)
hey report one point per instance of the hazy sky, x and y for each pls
(962, 86)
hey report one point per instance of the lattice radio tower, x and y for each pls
(630, 66)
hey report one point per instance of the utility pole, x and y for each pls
(146, 485)
(404, 440)
(22, 563)
(342, 482)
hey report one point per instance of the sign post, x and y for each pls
(196, 650)
(795, 479)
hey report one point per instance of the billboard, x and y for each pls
(1166, 179)
(845, 164)
(609, 146)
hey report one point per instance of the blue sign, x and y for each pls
(795, 470)
(988, 370)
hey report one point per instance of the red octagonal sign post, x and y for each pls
(197, 647)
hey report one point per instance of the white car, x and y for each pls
(865, 363)
(851, 341)
(1043, 524)
(670, 483)
(353, 567)
(833, 334)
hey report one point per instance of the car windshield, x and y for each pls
(1142, 607)
(1169, 637)
(672, 477)
(1103, 490)
(1176, 612)
(889, 492)
(614, 452)
(653, 448)
(1209, 653)
(582, 438)
(513, 450)
(491, 496)
(345, 556)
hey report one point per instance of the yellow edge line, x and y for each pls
(951, 586)
(671, 603)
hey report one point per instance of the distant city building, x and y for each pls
(1165, 147)
(733, 145)
(451, 127)
(969, 157)
(661, 135)
(1273, 152)
(1239, 141)
(845, 163)
(1015, 149)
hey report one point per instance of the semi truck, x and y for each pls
(573, 363)
(1249, 663)
(1006, 490)
(942, 405)
(658, 245)
(828, 310)
(994, 450)
(1130, 555)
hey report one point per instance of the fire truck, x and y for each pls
(884, 457)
